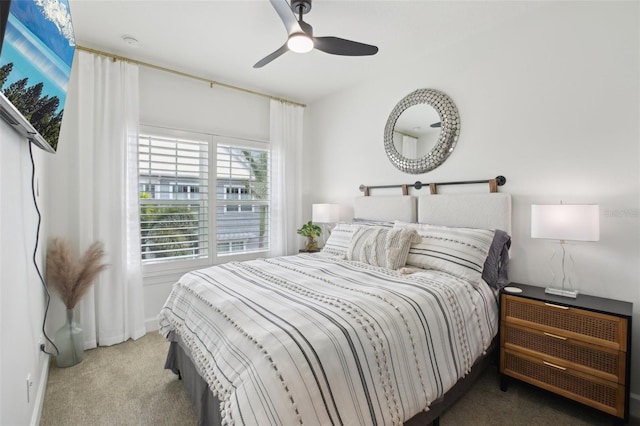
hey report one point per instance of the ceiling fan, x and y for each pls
(301, 37)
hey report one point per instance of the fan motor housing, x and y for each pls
(303, 6)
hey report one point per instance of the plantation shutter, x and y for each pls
(242, 199)
(174, 198)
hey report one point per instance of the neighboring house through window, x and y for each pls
(236, 192)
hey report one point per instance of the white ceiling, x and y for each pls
(222, 40)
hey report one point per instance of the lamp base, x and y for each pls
(561, 292)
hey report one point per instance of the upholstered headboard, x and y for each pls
(386, 207)
(487, 211)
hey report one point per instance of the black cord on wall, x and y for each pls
(43, 347)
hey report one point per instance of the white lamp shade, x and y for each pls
(325, 213)
(573, 222)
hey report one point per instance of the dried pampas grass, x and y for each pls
(71, 278)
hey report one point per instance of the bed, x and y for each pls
(370, 331)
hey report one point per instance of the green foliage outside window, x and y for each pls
(168, 231)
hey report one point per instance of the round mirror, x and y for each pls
(421, 131)
(416, 132)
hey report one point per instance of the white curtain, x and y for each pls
(286, 175)
(107, 158)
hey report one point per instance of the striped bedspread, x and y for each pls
(310, 339)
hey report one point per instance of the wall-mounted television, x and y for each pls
(36, 52)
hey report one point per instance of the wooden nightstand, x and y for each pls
(308, 251)
(578, 348)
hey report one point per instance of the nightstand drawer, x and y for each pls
(591, 359)
(599, 393)
(605, 330)
(578, 348)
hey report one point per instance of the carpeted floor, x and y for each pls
(126, 384)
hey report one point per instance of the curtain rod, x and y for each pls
(184, 74)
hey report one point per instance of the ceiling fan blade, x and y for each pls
(287, 16)
(264, 61)
(340, 46)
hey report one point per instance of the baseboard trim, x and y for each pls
(634, 405)
(151, 324)
(42, 388)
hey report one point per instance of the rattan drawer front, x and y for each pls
(603, 395)
(591, 359)
(592, 325)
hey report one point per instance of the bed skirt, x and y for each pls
(207, 406)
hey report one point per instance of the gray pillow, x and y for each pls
(496, 267)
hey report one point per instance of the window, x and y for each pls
(242, 196)
(178, 218)
(174, 202)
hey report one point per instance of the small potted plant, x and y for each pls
(310, 231)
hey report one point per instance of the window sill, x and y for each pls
(159, 269)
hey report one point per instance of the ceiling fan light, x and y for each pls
(300, 43)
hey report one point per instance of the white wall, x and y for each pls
(182, 103)
(21, 292)
(551, 101)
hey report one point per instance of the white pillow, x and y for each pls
(460, 252)
(371, 222)
(338, 242)
(381, 246)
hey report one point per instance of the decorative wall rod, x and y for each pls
(493, 184)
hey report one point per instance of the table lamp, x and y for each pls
(324, 214)
(565, 222)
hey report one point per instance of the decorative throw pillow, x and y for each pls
(365, 244)
(381, 246)
(398, 245)
(339, 240)
(496, 267)
(460, 252)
